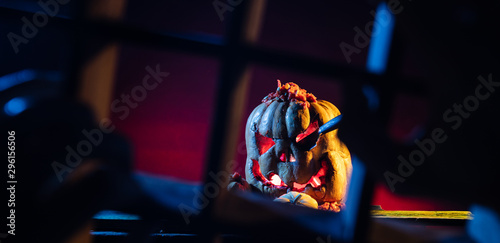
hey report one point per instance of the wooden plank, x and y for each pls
(232, 96)
(97, 75)
(452, 215)
(425, 218)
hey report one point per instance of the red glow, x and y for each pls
(283, 157)
(264, 143)
(310, 129)
(392, 201)
(299, 187)
(257, 173)
(315, 181)
(276, 180)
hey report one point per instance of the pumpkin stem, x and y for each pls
(290, 92)
(296, 199)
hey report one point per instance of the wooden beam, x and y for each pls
(440, 218)
(232, 97)
(97, 75)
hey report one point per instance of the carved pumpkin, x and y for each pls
(276, 164)
(297, 198)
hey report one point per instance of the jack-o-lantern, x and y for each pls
(277, 164)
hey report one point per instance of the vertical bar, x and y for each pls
(380, 43)
(97, 81)
(97, 75)
(231, 94)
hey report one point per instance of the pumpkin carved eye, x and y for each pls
(310, 129)
(263, 143)
(309, 137)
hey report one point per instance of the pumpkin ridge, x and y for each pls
(297, 198)
(328, 111)
(321, 111)
(266, 121)
(279, 121)
(255, 116)
(335, 111)
(251, 128)
(297, 119)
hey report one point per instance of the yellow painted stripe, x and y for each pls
(462, 215)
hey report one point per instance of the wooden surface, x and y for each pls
(463, 215)
(444, 218)
(386, 226)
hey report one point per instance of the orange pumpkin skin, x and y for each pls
(270, 134)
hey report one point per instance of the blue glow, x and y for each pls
(484, 225)
(380, 43)
(372, 97)
(108, 233)
(16, 78)
(115, 215)
(350, 214)
(15, 106)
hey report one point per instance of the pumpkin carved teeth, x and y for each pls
(276, 180)
(292, 159)
(316, 181)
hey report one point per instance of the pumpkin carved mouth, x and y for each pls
(274, 181)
